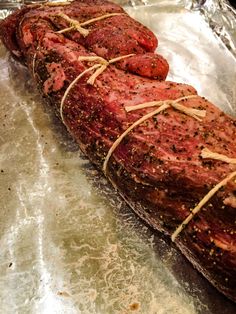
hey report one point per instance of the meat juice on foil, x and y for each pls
(69, 243)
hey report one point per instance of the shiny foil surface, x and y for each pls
(68, 243)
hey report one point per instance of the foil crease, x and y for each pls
(68, 243)
(221, 17)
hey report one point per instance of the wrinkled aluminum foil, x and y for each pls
(68, 243)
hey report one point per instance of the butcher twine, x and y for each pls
(163, 105)
(57, 4)
(49, 4)
(206, 153)
(75, 25)
(99, 67)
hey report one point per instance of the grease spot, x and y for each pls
(134, 306)
(63, 294)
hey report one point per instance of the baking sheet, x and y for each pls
(68, 243)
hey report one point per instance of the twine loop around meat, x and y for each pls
(206, 153)
(76, 25)
(99, 67)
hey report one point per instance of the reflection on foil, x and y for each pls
(221, 17)
(68, 243)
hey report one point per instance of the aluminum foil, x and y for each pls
(68, 243)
